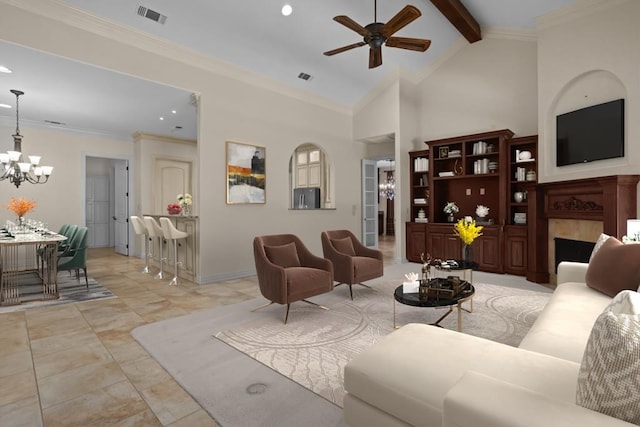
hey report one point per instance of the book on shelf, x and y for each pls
(421, 219)
(446, 173)
(421, 164)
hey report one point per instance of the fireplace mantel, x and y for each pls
(609, 199)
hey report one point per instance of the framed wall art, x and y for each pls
(246, 174)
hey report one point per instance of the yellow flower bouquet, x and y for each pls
(467, 230)
(21, 206)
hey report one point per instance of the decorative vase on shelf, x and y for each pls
(467, 253)
(450, 218)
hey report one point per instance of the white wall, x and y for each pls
(585, 59)
(487, 85)
(230, 110)
(61, 200)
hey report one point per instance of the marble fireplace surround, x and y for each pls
(579, 210)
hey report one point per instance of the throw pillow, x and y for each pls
(285, 255)
(603, 238)
(608, 380)
(344, 245)
(614, 267)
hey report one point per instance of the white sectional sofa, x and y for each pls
(425, 376)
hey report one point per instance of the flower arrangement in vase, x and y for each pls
(21, 206)
(185, 201)
(468, 231)
(482, 211)
(451, 208)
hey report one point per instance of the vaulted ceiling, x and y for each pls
(253, 35)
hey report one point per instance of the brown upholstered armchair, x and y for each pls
(353, 263)
(288, 272)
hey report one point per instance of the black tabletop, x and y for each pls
(461, 265)
(416, 300)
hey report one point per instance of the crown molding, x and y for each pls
(66, 14)
(138, 136)
(577, 10)
(511, 34)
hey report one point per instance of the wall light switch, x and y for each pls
(468, 191)
(482, 191)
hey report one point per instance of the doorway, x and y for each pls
(107, 202)
(386, 210)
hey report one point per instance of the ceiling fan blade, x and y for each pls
(419, 45)
(375, 57)
(351, 24)
(344, 48)
(401, 20)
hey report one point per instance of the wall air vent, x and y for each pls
(304, 76)
(151, 14)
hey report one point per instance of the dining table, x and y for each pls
(28, 264)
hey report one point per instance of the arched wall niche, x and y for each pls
(587, 89)
(311, 178)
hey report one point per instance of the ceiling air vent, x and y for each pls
(151, 14)
(304, 76)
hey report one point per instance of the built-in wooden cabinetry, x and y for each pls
(523, 176)
(473, 170)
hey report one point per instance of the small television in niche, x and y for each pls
(590, 134)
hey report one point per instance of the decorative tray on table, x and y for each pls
(441, 287)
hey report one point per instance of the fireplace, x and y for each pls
(577, 210)
(572, 250)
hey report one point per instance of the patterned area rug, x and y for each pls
(315, 345)
(70, 289)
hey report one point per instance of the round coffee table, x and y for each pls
(416, 300)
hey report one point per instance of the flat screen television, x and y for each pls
(590, 134)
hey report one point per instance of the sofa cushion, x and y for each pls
(344, 245)
(284, 255)
(608, 381)
(603, 238)
(408, 372)
(614, 267)
(563, 327)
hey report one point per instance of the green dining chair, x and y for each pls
(76, 257)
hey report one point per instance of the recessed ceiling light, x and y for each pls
(4, 69)
(161, 118)
(287, 9)
(5, 106)
(173, 111)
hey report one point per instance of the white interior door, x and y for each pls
(97, 211)
(369, 203)
(121, 214)
(171, 177)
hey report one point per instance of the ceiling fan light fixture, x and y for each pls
(377, 34)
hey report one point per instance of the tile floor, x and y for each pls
(78, 365)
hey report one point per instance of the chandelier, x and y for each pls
(387, 187)
(13, 167)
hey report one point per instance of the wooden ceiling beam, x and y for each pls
(460, 17)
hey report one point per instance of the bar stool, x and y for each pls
(155, 231)
(172, 233)
(141, 230)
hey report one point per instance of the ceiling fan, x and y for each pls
(376, 34)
